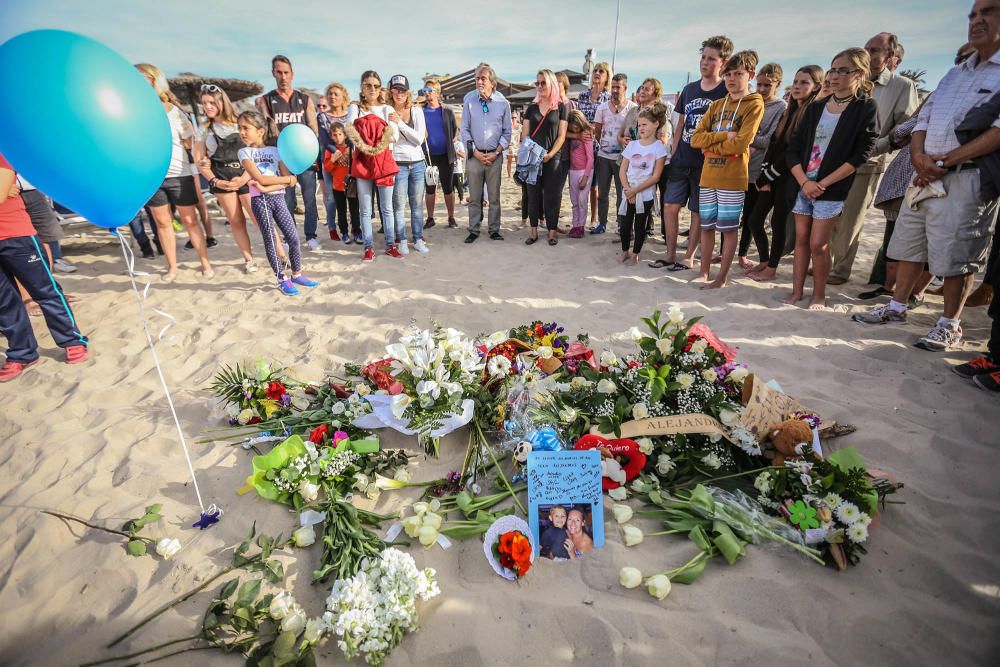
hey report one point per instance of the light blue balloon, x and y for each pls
(85, 127)
(298, 147)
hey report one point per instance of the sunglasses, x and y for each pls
(540, 84)
(210, 88)
(483, 104)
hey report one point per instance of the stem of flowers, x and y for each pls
(716, 479)
(143, 652)
(694, 562)
(121, 533)
(172, 654)
(667, 532)
(503, 477)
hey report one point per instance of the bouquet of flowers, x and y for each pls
(831, 501)
(258, 393)
(513, 550)
(371, 611)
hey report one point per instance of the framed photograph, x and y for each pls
(565, 505)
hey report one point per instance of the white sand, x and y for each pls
(98, 441)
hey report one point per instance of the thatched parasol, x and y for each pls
(187, 87)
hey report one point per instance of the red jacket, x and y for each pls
(372, 159)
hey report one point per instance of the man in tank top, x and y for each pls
(286, 106)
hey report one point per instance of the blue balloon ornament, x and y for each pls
(88, 130)
(298, 147)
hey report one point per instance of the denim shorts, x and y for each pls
(820, 209)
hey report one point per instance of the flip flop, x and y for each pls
(553, 241)
(531, 240)
(678, 267)
(660, 264)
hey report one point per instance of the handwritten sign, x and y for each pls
(767, 407)
(672, 425)
(566, 478)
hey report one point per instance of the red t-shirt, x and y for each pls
(14, 220)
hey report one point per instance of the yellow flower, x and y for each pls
(270, 407)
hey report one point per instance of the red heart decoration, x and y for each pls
(624, 448)
(702, 331)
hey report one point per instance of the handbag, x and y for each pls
(432, 175)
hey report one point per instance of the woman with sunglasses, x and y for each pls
(442, 130)
(215, 152)
(545, 123)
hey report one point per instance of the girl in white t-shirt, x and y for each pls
(642, 165)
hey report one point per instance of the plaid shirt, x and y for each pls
(589, 106)
(962, 88)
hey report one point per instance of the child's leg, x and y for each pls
(263, 216)
(286, 223)
(574, 197)
(730, 203)
(641, 225)
(803, 225)
(340, 201)
(729, 243)
(626, 235)
(819, 249)
(708, 208)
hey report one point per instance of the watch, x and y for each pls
(939, 164)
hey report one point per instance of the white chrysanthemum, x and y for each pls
(848, 513)
(832, 501)
(711, 461)
(763, 482)
(857, 533)
(499, 366)
(863, 520)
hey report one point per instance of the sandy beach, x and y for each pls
(98, 441)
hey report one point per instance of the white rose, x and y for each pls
(618, 493)
(685, 380)
(338, 408)
(675, 314)
(623, 513)
(699, 346)
(729, 417)
(738, 375)
(303, 537)
(635, 334)
(245, 416)
(281, 605)
(315, 630)
(567, 415)
(709, 375)
(295, 621)
(664, 464)
(544, 352)
(608, 358)
(633, 535)
(372, 491)
(580, 382)
(640, 411)
(308, 490)
(606, 386)
(664, 345)
(645, 445)
(402, 475)
(363, 390)
(630, 577)
(658, 586)
(711, 461)
(168, 547)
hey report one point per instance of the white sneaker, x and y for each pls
(62, 265)
(421, 246)
(249, 266)
(314, 244)
(403, 248)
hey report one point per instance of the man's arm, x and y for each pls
(984, 144)
(506, 128)
(678, 130)
(311, 116)
(927, 171)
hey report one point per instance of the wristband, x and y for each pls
(212, 182)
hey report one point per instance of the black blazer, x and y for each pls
(853, 141)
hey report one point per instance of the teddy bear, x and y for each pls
(786, 437)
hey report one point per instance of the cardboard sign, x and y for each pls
(570, 480)
(767, 407)
(672, 425)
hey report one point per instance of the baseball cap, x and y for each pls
(399, 81)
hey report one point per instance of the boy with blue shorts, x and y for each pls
(724, 135)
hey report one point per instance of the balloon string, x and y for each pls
(129, 257)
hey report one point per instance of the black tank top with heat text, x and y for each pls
(287, 113)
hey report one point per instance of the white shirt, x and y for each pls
(409, 148)
(266, 158)
(180, 129)
(963, 87)
(611, 126)
(641, 162)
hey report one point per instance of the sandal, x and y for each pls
(553, 241)
(531, 240)
(660, 264)
(678, 267)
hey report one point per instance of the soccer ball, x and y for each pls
(521, 451)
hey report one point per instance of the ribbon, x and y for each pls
(213, 513)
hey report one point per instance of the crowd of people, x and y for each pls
(793, 173)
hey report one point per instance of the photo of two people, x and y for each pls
(566, 531)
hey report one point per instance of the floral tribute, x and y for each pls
(513, 551)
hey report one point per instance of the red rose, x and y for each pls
(319, 434)
(253, 420)
(275, 390)
(507, 561)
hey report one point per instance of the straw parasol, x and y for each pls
(187, 87)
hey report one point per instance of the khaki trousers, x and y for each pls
(847, 232)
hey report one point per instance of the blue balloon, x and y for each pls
(87, 129)
(298, 147)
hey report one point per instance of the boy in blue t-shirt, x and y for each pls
(552, 543)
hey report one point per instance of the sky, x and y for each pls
(332, 40)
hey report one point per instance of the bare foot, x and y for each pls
(717, 259)
(818, 306)
(747, 265)
(700, 279)
(170, 276)
(766, 274)
(715, 284)
(635, 259)
(792, 299)
(623, 257)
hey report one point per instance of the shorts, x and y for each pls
(176, 190)
(227, 172)
(445, 171)
(683, 185)
(43, 218)
(952, 233)
(720, 209)
(820, 209)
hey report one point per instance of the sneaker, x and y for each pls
(940, 338)
(403, 248)
(471, 238)
(359, 239)
(369, 255)
(178, 227)
(314, 244)
(421, 246)
(147, 250)
(599, 229)
(287, 288)
(249, 266)
(989, 382)
(11, 369)
(429, 223)
(77, 354)
(305, 282)
(880, 315)
(977, 366)
(334, 236)
(62, 265)
(393, 251)
(211, 242)
(348, 240)
(188, 246)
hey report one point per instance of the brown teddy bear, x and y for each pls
(786, 436)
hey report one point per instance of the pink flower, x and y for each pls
(339, 435)
(395, 388)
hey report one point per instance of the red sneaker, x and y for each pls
(369, 255)
(11, 369)
(77, 354)
(334, 236)
(392, 251)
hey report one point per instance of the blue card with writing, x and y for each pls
(565, 503)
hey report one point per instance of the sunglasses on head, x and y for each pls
(210, 88)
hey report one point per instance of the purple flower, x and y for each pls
(286, 400)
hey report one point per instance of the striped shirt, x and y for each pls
(963, 87)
